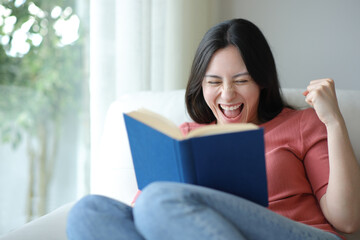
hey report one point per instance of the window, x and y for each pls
(44, 110)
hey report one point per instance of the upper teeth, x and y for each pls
(230, 107)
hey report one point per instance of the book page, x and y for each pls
(221, 128)
(157, 122)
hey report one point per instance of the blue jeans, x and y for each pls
(181, 211)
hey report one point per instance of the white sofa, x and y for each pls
(113, 173)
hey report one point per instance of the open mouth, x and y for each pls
(231, 111)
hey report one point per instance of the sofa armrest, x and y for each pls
(50, 226)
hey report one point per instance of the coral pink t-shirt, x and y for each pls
(297, 165)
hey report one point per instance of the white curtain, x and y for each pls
(140, 45)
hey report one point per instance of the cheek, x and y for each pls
(209, 96)
(253, 98)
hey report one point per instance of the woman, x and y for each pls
(313, 176)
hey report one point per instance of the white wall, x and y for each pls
(310, 39)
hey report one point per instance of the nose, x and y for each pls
(228, 92)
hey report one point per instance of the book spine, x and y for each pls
(185, 161)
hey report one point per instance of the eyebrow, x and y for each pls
(235, 76)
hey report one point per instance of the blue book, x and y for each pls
(228, 158)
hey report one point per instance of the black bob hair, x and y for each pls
(257, 57)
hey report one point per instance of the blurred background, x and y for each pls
(63, 62)
(44, 107)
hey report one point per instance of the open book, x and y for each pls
(228, 157)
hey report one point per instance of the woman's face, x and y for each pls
(229, 90)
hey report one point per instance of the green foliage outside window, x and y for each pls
(41, 79)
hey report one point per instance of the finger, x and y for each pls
(319, 90)
(309, 98)
(317, 81)
(323, 83)
(313, 85)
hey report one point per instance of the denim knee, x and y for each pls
(154, 195)
(77, 212)
(159, 198)
(151, 209)
(100, 217)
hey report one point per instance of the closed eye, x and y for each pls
(240, 81)
(213, 79)
(214, 82)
